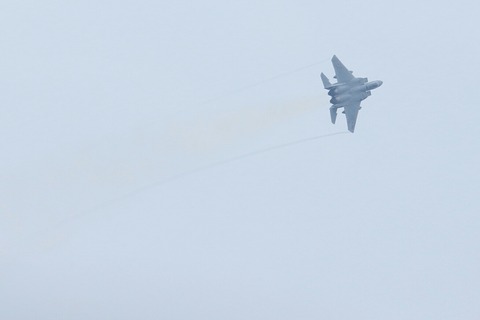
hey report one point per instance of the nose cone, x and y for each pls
(374, 84)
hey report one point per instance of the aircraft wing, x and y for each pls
(342, 74)
(351, 112)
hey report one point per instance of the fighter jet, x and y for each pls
(347, 93)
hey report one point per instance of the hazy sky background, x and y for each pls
(101, 98)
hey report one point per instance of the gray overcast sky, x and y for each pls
(101, 98)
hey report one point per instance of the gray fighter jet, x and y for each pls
(348, 92)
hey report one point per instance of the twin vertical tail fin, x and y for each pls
(333, 109)
(333, 113)
(326, 82)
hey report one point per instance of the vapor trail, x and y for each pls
(215, 164)
(197, 170)
(258, 83)
(172, 178)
